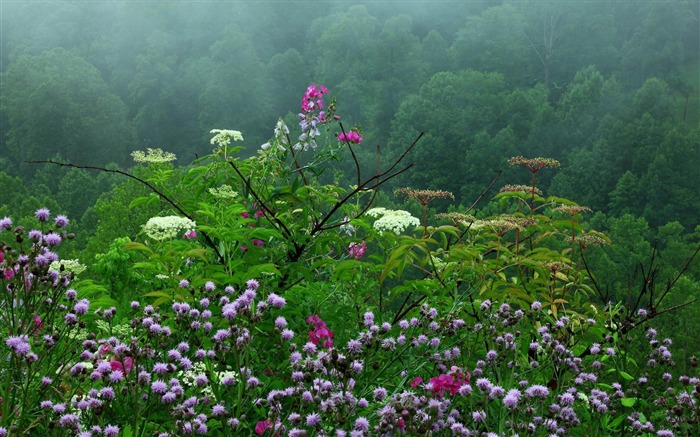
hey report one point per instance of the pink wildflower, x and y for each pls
(357, 250)
(350, 137)
(262, 426)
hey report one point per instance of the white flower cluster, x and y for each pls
(395, 221)
(223, 192)
(153, 156)
(69, 265)
(163, 228)
(223, 137)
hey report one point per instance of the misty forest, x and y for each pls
(350, 218)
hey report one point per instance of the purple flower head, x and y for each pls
(6, 224)
(61, 221)
(42, 214)
(287, 334)
(313, 419)
(276, 301)
(81, 307)
(111, 431)
(35, 235)
(252, 284)
(19, 344)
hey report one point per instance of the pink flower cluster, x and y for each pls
(357, 250)
(451, 382)
(320, 331)
(313, 98)
(350, 137)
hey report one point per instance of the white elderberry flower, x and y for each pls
(223, 137)
(395, 221)
(153, 156)
(69, 265)
(223, 192)
(163, 228)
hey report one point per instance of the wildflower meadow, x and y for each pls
(273, 299)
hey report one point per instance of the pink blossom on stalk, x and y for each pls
(350, 137)
(124, 366)
(191, 234)
(320, 331)
(357, 250)
(262, 426)
(451, 382)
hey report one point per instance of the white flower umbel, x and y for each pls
(395, 221)
(153, 156)
(163, 228)
(223, 192)
(69, 265)
(223, 137)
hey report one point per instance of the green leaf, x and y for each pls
(628, 402)
(626, 375)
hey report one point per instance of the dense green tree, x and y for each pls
(56, 102)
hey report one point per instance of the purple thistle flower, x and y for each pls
(52, 239)
(81, 307)
(168, 398)
(379, 393)
(537, 391)
(276, 301)
(361, 424)
(6, 224)
(107, 393)
(209, 286)
(159, 387)
(218, 410)
(61, 221)
(512, 398)
(287, 335)
(252, 284)
(19, 344)
(116, 376)
(42, 214)
(68, 420)
(313, 419)
(111, 431)
(280, 322)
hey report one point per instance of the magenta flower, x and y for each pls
(191, 234)
(262, 426)
(320, 332)
(357, 250)
(350, 137)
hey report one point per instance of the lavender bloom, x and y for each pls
(111, 431)
(287, 335)
(512, 398)
(19, 344)
(159, 387)
(280, 322)
(52, 239)
(61, 221)
(42, 214)
(6, 224)
(276, 301)
(313, 419)
(537, 391)
(68, 420)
